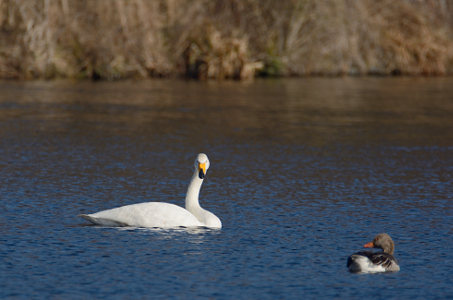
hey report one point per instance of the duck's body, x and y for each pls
(373, 262)
(161, 214)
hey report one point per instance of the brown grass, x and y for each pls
(224, 39)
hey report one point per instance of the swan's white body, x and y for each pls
(160, 214)
(147, 214)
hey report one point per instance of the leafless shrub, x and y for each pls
(224, 39)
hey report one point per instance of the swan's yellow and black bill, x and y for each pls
(201, 170)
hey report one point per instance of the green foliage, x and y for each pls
(273, 67)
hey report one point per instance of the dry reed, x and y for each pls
(224, 39)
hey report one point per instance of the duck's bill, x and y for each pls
(369, 245)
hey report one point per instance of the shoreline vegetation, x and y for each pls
(218, 39)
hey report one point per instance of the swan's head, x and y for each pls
(201, 165)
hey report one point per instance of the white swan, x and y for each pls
(163, 215)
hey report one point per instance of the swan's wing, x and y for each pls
(101, 221)
(148, 214)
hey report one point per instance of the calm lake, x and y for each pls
(303, 173)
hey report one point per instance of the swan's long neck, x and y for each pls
(193, 191)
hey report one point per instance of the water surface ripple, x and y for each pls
(303, 173)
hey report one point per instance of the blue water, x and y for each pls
(303, 173)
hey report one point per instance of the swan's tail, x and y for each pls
(88, 218)
(102, 221)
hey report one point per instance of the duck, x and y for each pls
(162, 214)
(374, 262)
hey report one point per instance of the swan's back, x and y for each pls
(148, 214)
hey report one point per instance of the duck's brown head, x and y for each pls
(382, 241)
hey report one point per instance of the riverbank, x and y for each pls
(223, 39)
